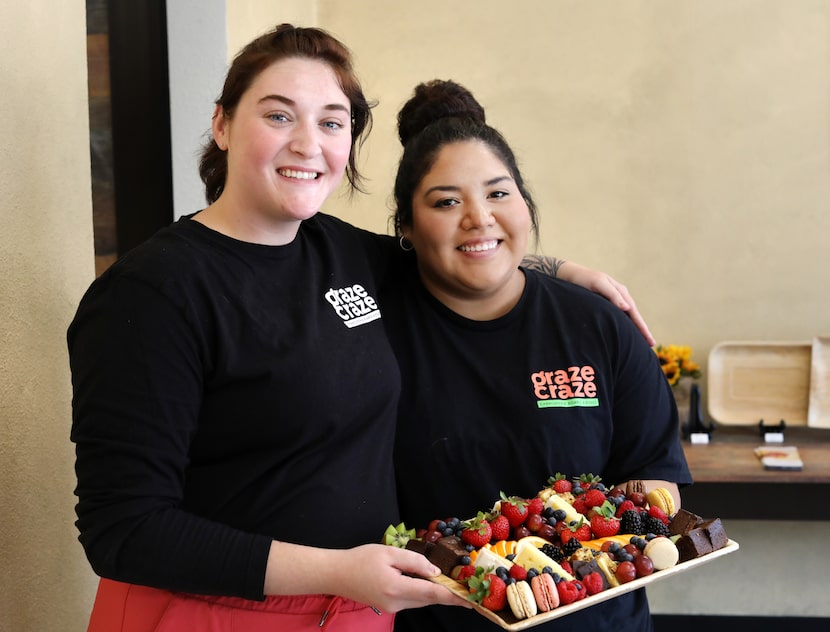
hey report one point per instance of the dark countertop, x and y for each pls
(730, 481)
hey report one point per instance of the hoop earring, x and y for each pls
(406, 247)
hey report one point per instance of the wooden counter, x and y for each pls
(730, 481)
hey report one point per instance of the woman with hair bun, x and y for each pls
(508, 375)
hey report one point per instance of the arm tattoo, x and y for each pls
(545, 265)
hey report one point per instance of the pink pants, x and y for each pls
(123, 607)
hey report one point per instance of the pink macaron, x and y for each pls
(544, 591)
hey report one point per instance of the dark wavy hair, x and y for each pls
(284, 42)
(438, 114)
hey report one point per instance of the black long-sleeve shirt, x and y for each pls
(227, 394)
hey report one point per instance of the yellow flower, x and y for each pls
(676, 362)
(672, 372)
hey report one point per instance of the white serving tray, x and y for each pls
(506, 620)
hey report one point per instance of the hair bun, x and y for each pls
(435, 100)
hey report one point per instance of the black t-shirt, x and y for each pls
(562, 383)
(228, 393)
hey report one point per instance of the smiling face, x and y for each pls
(288, 143)
(470, 228)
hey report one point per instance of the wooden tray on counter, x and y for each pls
(754, 381)
(506, 620)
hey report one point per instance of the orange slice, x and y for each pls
(621, 538)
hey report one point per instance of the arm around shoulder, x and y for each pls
(603, 284)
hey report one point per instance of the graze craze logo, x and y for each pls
(354, 305)
(565, 388)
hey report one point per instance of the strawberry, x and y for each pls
(488, 589)
(624, 506)
(514, 509)
(535, 506)
(579, 504)
(466, 572)
(517, 572)
(568, 592)
(500, 527)
(605, 523)
(477, 532)
(593, 583)
(656, 512)
(587, 481)
(593, 498)
(580, 531)
(560, 484)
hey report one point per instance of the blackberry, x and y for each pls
(553, 552)
(631, 522)
(571, 546)
(655, 526)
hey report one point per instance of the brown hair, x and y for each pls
(284, 42)
(438, 114)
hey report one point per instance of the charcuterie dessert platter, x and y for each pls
(575, 544)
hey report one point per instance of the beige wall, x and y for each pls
(47, 261)
(683, 147)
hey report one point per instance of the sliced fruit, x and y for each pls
(529, 556)
(398, 535)
(621, 538)
(555, 501)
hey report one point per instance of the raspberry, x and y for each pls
(593, 583)
(466, 572)
(518, 572)
(568, 592)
